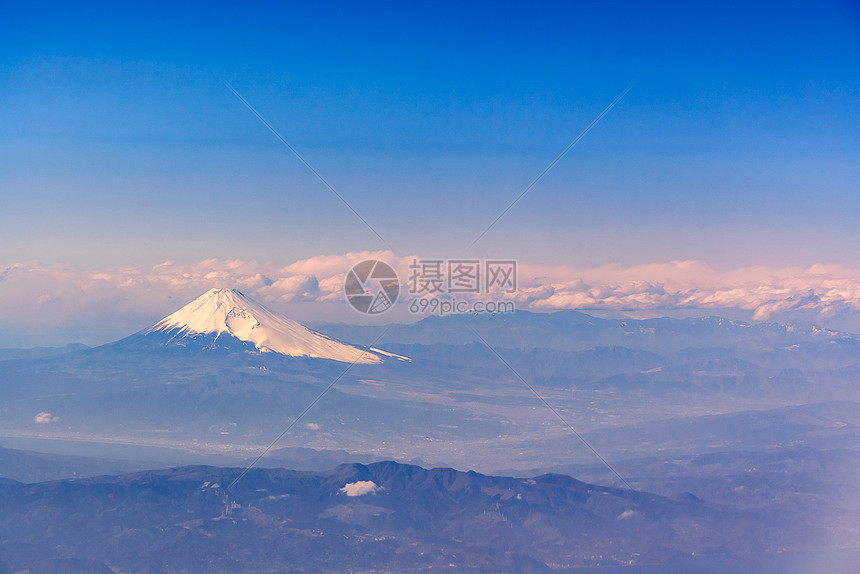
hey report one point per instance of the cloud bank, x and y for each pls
(34, 296)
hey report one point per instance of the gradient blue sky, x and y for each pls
(738, 145)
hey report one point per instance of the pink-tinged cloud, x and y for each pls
(34, 294)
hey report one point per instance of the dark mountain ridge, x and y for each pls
(378, 517)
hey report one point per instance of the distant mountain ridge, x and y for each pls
(570, 330)
(39, 352)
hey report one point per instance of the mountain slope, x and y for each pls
(229, 314)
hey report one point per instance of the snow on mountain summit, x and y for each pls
(229, 312)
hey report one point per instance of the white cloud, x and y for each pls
(45, 418)
(360, 488)
(764, 291)
(312, 426)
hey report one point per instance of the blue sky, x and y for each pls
(738, 144)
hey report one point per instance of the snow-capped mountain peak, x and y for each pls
(229, 312)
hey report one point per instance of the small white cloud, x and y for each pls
(359, 488)
(277, 497)
(627, 514)
(45, 418)
(312, 426)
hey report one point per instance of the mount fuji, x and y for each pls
(226, 318)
